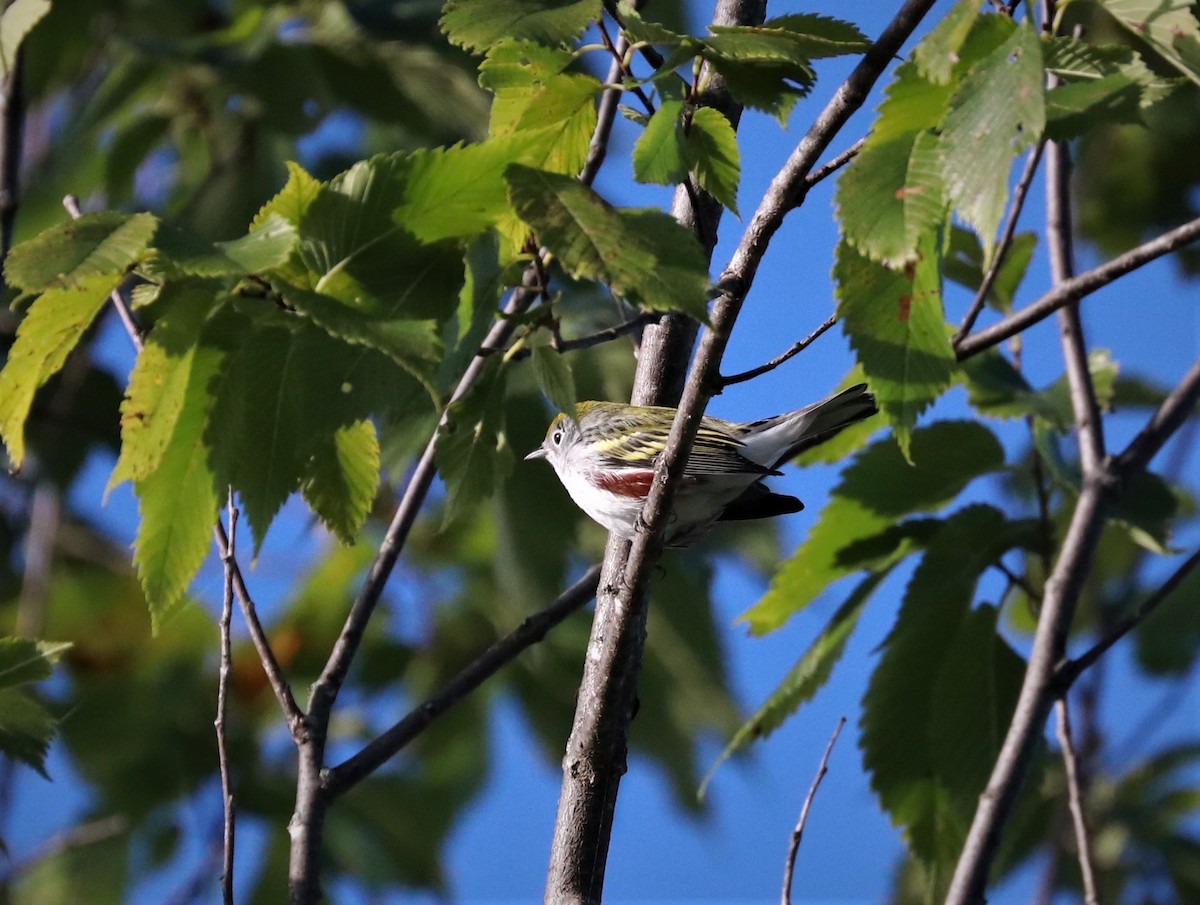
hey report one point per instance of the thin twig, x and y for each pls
(1077, 288)
(618, 54)
(340, 779)
(826, 170)
(789, 865)
(775, 362)
(583, 342)
(1070, 670)
(12, 122)
(1019, 581)
(1083, 843)
(1006, 237)
(1179, 405)
(227, 801)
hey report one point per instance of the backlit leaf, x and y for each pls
(93, 245)
(343, 477)
(555, 378)
(714, 156)
(479, 24)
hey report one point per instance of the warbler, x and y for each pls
(606, 460)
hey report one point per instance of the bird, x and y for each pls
(605, 458)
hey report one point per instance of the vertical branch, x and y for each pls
(1075, 800)
(228, 805)
(12, 124)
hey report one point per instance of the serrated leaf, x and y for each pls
(997, 111)
(24, 660)
(53, 326)
(16, 23)
(354, 251)
(944, 672)
(26, 728)
(548, 114)
(479, 24)
(1169, 26)
(293, 200)
(806, 678)
(946, 456)
(937, 53)
(283, 392)
(95, 244)
(158, 385)
(644, 31)
(268, 244)
(177, 503)
(645, 256)
(555, 379)
(343, 477)
(413, 344)
(660, 155)
(891, 195)
(472, 451)
(712, 150)
(895, 324)
(456, 192)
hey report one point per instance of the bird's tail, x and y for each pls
(773, 441)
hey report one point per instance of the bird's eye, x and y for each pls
(557, 438)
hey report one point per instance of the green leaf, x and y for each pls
(269, 244)
(807, 677)
(472, 451)
(26, 728)
(548, 114)
(891, 195)
(479, 24)
(456, 192)
(1169, 26)
(997, 111)
(293, 200)
(170, 362)
(946, 456)
(355, 252)
(343, 477)
(555, 378)
(895, 324)
(413, 344)
(944, 686)
(937, 53)
(1168, 640)
(93, 245)
(54, 325)
(16, 23)
(660, 155)
(713, 152)
(645, 256)
(177, 504)
(795, 39)
(283, 392)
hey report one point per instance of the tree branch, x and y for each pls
(775, 362)
(1070, 670)
(1010, 230)
(595, 758)
(228, 805)
(1083, 843)
(789, 865)
(347, 774)
(1077, 288)
(1179, 405)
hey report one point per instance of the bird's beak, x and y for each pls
(539, 453)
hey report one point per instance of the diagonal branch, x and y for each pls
(340, 779)
(227, 801)
(1179, 405)
(1076, 288)
(798, 833)
(775, 362)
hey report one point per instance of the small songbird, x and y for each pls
(606, 461)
